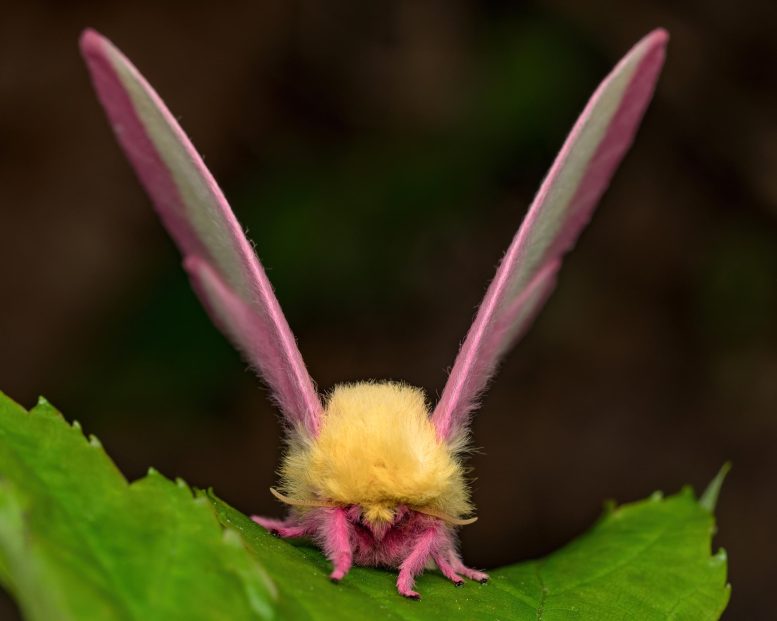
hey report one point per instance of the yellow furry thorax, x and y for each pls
(377, 448)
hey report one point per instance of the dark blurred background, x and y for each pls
(381, 156)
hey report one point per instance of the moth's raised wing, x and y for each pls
(221, 262)
(563, 205)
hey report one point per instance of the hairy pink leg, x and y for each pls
(414, 563)
(281, 528)
(337, 542)
(441, 559)
(472, 574)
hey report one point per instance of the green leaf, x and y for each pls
(709, 499)
(646, 560)
(79, 542)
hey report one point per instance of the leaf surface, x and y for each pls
(77, 541)
(645, 560)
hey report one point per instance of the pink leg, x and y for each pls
(337, 543)
(472, 574)
(441, 559)
(414, 563)
(281, 528)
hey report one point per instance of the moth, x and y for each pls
(371, 473)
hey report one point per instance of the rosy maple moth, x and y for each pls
(371, 474)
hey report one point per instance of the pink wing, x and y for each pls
(221, 262)
(567, 197)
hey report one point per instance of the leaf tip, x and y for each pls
(687, 491)
(182, 484)
(709, 499)
(44, 407)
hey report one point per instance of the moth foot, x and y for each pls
(474, 574)
(279, 528)
(452, 576)
(405, 584)
(337, 575)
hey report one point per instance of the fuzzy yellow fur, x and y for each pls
(377, 448)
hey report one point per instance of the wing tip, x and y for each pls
(653, 46)
(657, 41)
(92, 43)
(657, 37)
(649, 51)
